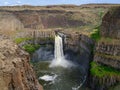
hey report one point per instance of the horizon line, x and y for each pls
(64, 4)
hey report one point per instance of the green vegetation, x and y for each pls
(101, 70)
(95, 35)
(30, 48)
(20, 40)
(101, 13)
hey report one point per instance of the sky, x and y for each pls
(53, 2)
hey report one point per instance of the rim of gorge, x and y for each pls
(60, 47)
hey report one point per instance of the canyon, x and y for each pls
(22, 26)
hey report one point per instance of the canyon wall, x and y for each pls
(40, 19)
(78, 48)
(16, 19)
(111, 24)
(107, 53)
(16, 72)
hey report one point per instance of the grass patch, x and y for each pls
(108, 56)
(101, 70)
(95, 34)
(20, 40)
(30, 48)
(108, 40)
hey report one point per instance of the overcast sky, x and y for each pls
(53, 2)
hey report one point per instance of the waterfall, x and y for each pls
(59, 59)
(58, 48)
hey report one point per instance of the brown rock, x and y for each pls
(15, 71)
(111, 23)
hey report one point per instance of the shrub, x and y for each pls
(101, 70)
(95, 35)
(30, 48)
(20, 40)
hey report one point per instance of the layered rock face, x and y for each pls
(39, 19)
(19, 18)
(16, 73)
(111, 24)
(106, 55)
(107, 52)
(78, 48)
(108, 48)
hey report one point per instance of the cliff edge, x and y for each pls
(111, 23)
(105, 67)
(16, 73)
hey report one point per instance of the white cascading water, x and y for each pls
(58, 49)
(59, 59)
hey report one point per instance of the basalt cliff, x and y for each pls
(16, 72)
(28, 25)
(16, 19)
(105, 67)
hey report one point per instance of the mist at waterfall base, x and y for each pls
(59, 74)
(59, 59)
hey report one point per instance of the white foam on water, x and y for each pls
(78, 87)
(48, 77)
(63, 63)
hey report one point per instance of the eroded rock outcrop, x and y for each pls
(111, 23)
(16, 73)
(108, 54)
